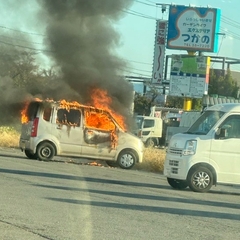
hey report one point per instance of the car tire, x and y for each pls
(177, 184)
(112, 163)
(30, 155)
(200, 179)
(46, 151)
(150, 143)
(126, 159)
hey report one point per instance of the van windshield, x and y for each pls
(205, 122)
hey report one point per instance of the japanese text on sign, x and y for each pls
(192, 28)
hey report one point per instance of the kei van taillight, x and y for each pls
(34, 127)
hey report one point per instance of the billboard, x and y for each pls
(189, 76)
(193, 28)
(159, 51)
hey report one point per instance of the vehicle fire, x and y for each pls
(65, 128)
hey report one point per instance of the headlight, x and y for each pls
(190, 147)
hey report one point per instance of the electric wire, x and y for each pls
(224, 19)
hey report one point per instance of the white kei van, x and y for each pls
(208, 153)
(53, 128)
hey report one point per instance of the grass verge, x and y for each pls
(153, 160)
(9, 137)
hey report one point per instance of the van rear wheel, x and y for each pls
(30, 155)
(46, 151)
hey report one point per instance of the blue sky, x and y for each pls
(136, 28)
(138, 32)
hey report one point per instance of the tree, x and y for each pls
(143, 103)
(174, 102)
(222, 84)
(20, 78)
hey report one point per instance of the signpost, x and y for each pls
(159, 51)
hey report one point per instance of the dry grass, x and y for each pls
(153, 158)
(9, 137)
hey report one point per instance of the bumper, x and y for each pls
(176, 167)
(24, 144)
(140, 157)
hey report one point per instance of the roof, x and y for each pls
(210, 101)
(225, 107)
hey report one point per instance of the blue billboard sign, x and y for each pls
(193, 28)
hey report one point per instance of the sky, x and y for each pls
(138, 33)
(136, 27)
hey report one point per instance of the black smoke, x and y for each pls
(82, 40)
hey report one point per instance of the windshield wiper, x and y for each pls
(197, 133)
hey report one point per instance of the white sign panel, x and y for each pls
(189, 76)
(159, 51)
(193, 28)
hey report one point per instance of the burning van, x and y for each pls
(51, 128)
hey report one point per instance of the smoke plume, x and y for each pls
(82, 40)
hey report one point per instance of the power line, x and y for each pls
(31, 33)
(135, 13)
(18, 39)
(138, 62)
(148, 4)
(30, 48)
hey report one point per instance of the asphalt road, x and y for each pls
(69, 199)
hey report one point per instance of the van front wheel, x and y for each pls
(46, 151)
(126, 159)
(112, 163)
(177, 184)
(200, 179)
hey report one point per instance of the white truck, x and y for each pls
(161, 125)
(149, 130)
(152, 129)
(208, 153)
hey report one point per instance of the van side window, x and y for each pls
(47, 114)
(232, 126)
(71, 117)
(148, 123)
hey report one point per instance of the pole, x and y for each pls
(187, 102)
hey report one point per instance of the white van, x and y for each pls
(208, 152)
(69, 129)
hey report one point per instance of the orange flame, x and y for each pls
(24, 113)
(95, 116)
(101, 100)
(24, 117)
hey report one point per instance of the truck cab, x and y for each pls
(149, 130)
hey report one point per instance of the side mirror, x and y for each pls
(221, 133)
